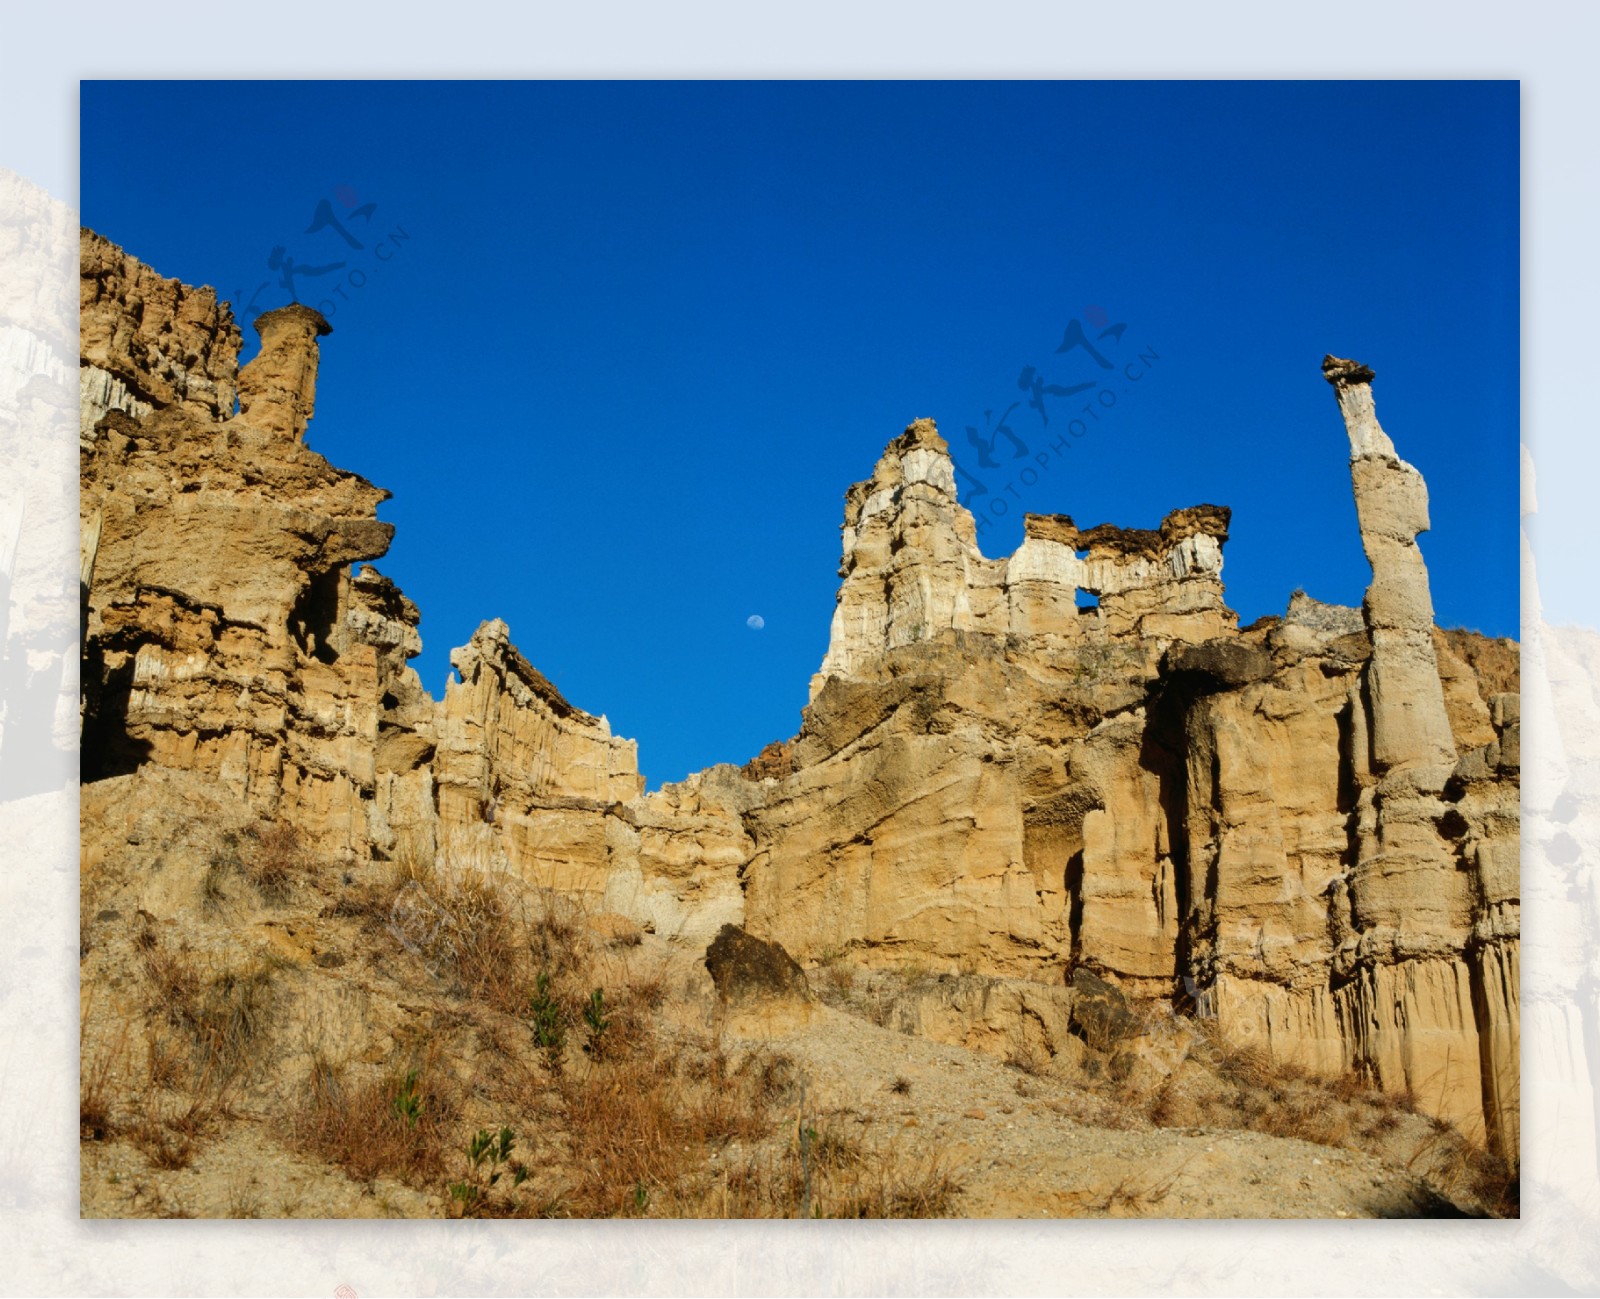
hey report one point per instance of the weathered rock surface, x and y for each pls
(147, 341)
(1306, 829)
(913, 572)
(278, 389)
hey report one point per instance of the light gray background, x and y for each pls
(1554, 1249)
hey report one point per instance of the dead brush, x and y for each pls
(395, 1124)
(245, 1199)
(851, 1180)
(835, 980)
(847, 1180)
(167, 1062)
(224, 1018)
(1303, 1113)
(214, 883)
(1132, 1196)
(755, 1185)
(171, 1129)
(96, 1080)
(233, 1018)
(483, 934)
(489, 945)
(647, 992)
(1246, 1067)
(163, 1147)
(1496, 1184)
(648, 1118)
(174, 979)
(1278, 1098)
(1466, 1172)
(1384, 1120)
(1165, 1105)
(556, 938)
(926, 1192)
(1028, 1057)
(772, 1076)
(832, 1148)
(277, 859)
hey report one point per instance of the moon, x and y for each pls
(755, 622)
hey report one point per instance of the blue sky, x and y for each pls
(618, 349)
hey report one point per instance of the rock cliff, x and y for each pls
(1069, 763)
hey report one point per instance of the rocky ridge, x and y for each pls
(1304, 831)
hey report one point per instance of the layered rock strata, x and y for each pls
(1068, 766)
(912, 569)
(147, 341)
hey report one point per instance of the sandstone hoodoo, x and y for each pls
(1302, 834)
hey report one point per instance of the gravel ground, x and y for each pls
(1018, 1154)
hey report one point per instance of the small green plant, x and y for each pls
(548, 1030)
(641, 1197)
(406, 1103)
(594, 1015)
(488, 1160)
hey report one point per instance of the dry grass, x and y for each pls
(367, 1128)
(202, 1034)
(1133, 1195)
(275, 859)
(485, 937)
(872, 994)
(643, 1119)
(630, 1114)
(245, 1199)
(1277, 1098)
(96, 1081)
(1465, 1172)
(172, 1126)
(488, 948)
(223, 1018)
(272, 858)
(165, 1148)
(627, 1115)
(891, 1186)
(833, 1177)
(647, 1121)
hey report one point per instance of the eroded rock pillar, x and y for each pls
(278, 389)
(1410, 727)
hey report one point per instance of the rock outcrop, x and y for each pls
(147, 341)
(745, 968)
(1068, 768)
(226, 634)
(912, 570)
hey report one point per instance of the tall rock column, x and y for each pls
(1410, 727)
(1407, 994)
(278, 389)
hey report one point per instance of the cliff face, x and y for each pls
(1068, 759)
